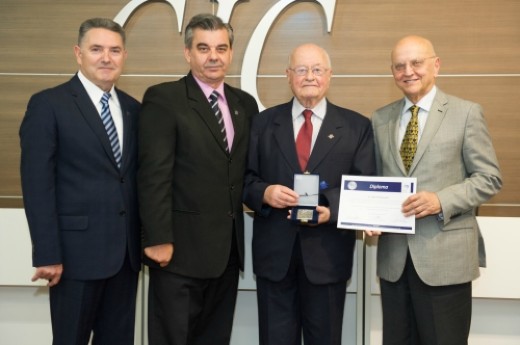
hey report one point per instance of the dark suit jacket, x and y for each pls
(344, 146)
(81, 209)
(190, 187)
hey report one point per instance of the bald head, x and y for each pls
(415, 66)
(306, 49)
(309, 73)
(417, 43)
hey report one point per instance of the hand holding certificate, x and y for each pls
(374, 203)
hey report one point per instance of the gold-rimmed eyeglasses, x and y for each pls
(414, 64)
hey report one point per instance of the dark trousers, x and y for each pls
(102, 308)
(190, 311)
(295, 305)
(415, 313)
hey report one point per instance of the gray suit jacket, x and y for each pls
(455, 159)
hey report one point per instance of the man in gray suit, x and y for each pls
(426, 277)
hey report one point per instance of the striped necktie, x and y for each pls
(213, 101)
(106, 117)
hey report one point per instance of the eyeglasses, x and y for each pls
(302, 71)
(414, 64)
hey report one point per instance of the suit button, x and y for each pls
(122, 213)
(232, 187)
(122, 180)
(230, 214)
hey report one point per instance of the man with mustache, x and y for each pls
(193, 136)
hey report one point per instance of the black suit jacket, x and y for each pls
(81, 209)
(344, 146)
(190, 187)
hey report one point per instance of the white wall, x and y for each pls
(496, 294)
(24, 309)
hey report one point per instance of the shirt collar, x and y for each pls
(208, 90)
(319, 110)
(424, 103)
(94, 92)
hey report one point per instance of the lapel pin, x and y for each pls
(236, 112)
(331, 136)
(324, 185)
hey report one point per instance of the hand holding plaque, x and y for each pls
(308, 188)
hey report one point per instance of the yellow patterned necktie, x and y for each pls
(410, 139)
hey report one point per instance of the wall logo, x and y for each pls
(256, 41)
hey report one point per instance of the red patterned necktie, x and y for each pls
(303, 140)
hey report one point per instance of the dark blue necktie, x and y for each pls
(106, 117)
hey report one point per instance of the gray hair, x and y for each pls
(100, 23)
(209, 22)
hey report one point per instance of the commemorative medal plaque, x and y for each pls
(308, 188)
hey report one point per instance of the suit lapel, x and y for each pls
(435, 118)
(198, 102)
(284, 135)
(393, 131)
(329, 134)
(238, 116)
(127, 131)
(91, 116)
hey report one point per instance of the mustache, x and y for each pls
(212, 64)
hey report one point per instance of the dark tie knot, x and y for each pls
(105, 98)
(214, 96)
(414, 109)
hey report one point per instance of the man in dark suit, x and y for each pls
(191, 169)
(301, 270)
(426, 277)
(80, 196)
